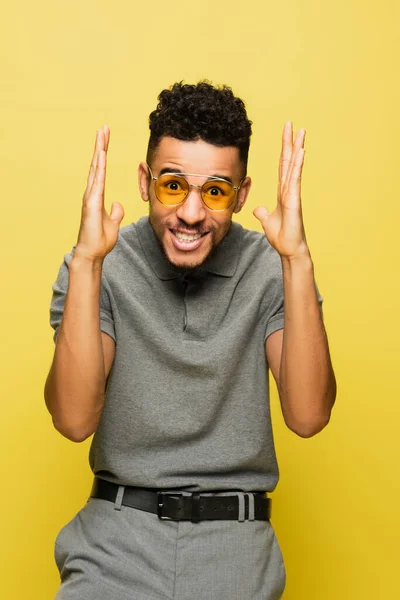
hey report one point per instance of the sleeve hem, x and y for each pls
(105, 327)
(274, 325)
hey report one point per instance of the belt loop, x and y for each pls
(119, 498)
(195, 517)
(251, 506)
(241, 515)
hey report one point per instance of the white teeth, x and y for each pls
(185, 237)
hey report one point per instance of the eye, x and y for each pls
(215, 191)
(173, 185)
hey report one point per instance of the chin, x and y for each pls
(186, 262)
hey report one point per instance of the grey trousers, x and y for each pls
(113, 552)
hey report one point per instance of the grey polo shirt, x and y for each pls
(187, 399)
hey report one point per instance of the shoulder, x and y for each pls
(256, 250)
(251, 238)
(127, 236)
(127, 248)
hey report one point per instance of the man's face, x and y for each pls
(192, 217)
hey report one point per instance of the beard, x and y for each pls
(182, 268)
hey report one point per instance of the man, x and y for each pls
(165, 330)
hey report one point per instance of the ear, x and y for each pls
(144, 181)
(242, 194)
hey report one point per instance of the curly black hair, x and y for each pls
(202, 111)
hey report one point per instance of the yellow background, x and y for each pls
(69, 67)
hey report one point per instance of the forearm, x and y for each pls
(307, 385)
(74, 390)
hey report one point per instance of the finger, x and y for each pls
(97, 145)
(299, 143)
(106, 131)
(97, 191)
(92, 171)
(294, 186)
(117, 212)
(93, 164)
(261, 213)
(286, 152)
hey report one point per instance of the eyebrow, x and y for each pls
(178, 172)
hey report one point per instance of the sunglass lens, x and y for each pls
(171, 189)
(218, 195)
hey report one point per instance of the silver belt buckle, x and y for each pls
(160, 504)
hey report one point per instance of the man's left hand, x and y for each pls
(284, 227)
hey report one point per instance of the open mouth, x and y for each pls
(187, 241)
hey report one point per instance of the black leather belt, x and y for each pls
(178, 507)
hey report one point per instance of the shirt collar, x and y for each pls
(223, 261)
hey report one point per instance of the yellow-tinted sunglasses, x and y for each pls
(172, 189)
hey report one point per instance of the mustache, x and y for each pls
(193, 228)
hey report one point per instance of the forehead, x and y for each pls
(197, 157)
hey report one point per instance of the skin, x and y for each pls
(98, 231)
(192, 216)
(297, 355)
(284, 227)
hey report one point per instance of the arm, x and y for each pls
(298, 355)
(75, 387)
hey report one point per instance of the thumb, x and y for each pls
(261, 213)
(117, 212)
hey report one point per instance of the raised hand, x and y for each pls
(98, 232)
(284, 227)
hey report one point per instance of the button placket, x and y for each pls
(185, 285)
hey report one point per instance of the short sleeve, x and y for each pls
(60, 288)
(276, 319)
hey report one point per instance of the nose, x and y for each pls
(192, 209)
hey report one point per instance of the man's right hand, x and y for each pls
(98, 233)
